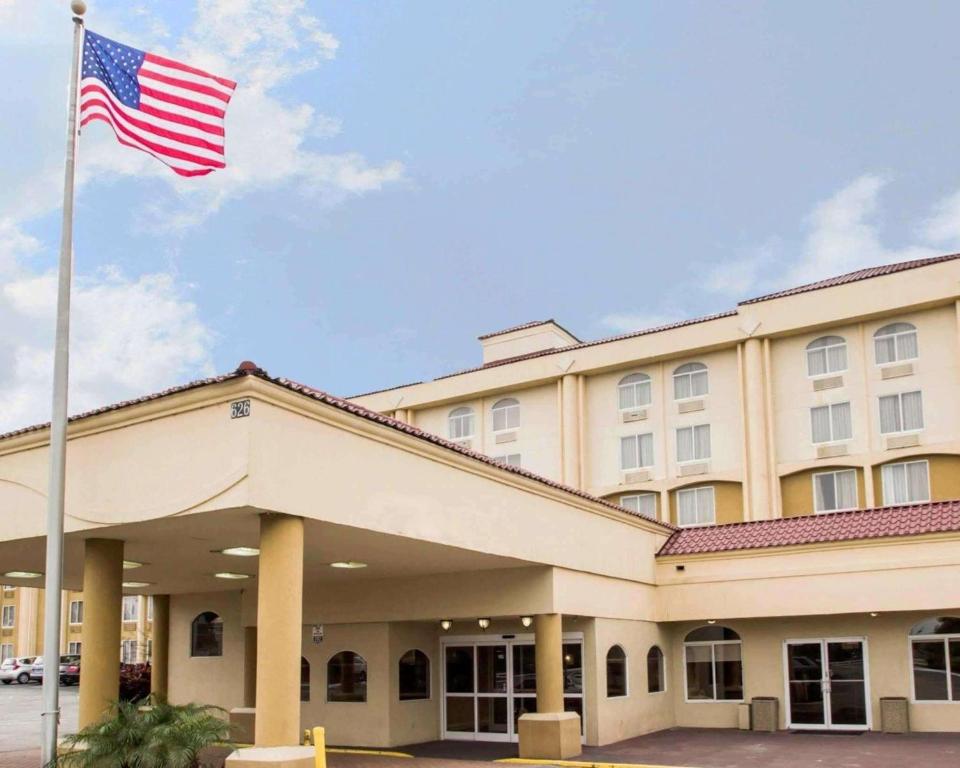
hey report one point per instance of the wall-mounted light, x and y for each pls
(873, 614)
(445, 625)
(484, 623)
(526, 620)
(711, 621)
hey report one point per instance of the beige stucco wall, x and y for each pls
(417, 720)
(216, 680)
(763, 666)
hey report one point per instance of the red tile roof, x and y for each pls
(523, 327)
(247, 368)
(883, 522)
(852, 277)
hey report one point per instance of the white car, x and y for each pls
(16, 668)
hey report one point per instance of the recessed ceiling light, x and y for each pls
(348, 564)
(22, 575)
(136, 584)
(239, 551)
(129, 565)
(229, 575)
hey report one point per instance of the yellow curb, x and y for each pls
(579, 763)
(377, 752)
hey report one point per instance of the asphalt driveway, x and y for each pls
(20, 716)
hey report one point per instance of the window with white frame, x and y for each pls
(831, 423)
(9, 588)
(693, 443)
(826, 355)
(6, 651)
(895, 343)
(128, 652)
(460, 423)
(835, 491)
(8, 617)
(506, 414)
(713, 664)
(906, 482)
(76, 611)
(690, 380)
(633, 391)
(902, 412)
(131, 608)
(150, 608)
(696, 506)
(636, 451)
(642, 503)
(935, 652)
(74, 647)
(510, 459)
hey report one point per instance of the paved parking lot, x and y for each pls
(20, 716)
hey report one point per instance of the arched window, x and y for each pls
(713, 664)
(935, 649)
(828, 354)
(414, 676)
(895, 342)
(206, 635)
(304, 679)
(506, 414)
(656, 680)
(616, 672)
(460, 423)
(347, 677)
(690, 380)
(633, 391)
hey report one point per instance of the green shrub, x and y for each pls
(151, 734)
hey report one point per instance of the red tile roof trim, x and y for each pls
(249, 369)
(521, 327)
(852, 277)
(882, 522)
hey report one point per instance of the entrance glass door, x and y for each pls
(827, 684)
(489, 684)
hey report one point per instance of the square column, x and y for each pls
(280, 628)
(549, 733)
(102, 599)
(160, 663)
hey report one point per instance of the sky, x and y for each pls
(404, 176)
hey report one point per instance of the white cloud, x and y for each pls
(128, 336)
(843, 235)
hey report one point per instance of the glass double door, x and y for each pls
(488, 685)
(827, 684)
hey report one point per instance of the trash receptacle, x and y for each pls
(743, 716)
(766, 713)
(894, 714)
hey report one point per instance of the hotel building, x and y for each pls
(574, 542)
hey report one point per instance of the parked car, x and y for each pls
(69, 669)
(16, 668)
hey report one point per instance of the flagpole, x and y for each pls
(50, 717)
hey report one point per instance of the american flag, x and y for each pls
(171, 110)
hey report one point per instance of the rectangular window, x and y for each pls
(936, 669)
(506, 417)
(695, 506)
(835, 491)
(714, 671)
(511, 459)
(642, 503)
(901, 413)
(9, 588)
(6, 651)
(8, 617)
(150, 608)
(149, 650)
(906, 483)
(830, 423)
(76, 611)
(128, 653)
(693, 443)
(131, 608)
(73, 647)
(636, 451)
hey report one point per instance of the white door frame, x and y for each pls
(825, 684)
(509, 641)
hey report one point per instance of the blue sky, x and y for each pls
(404, 176)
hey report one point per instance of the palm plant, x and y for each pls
(160, 735)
